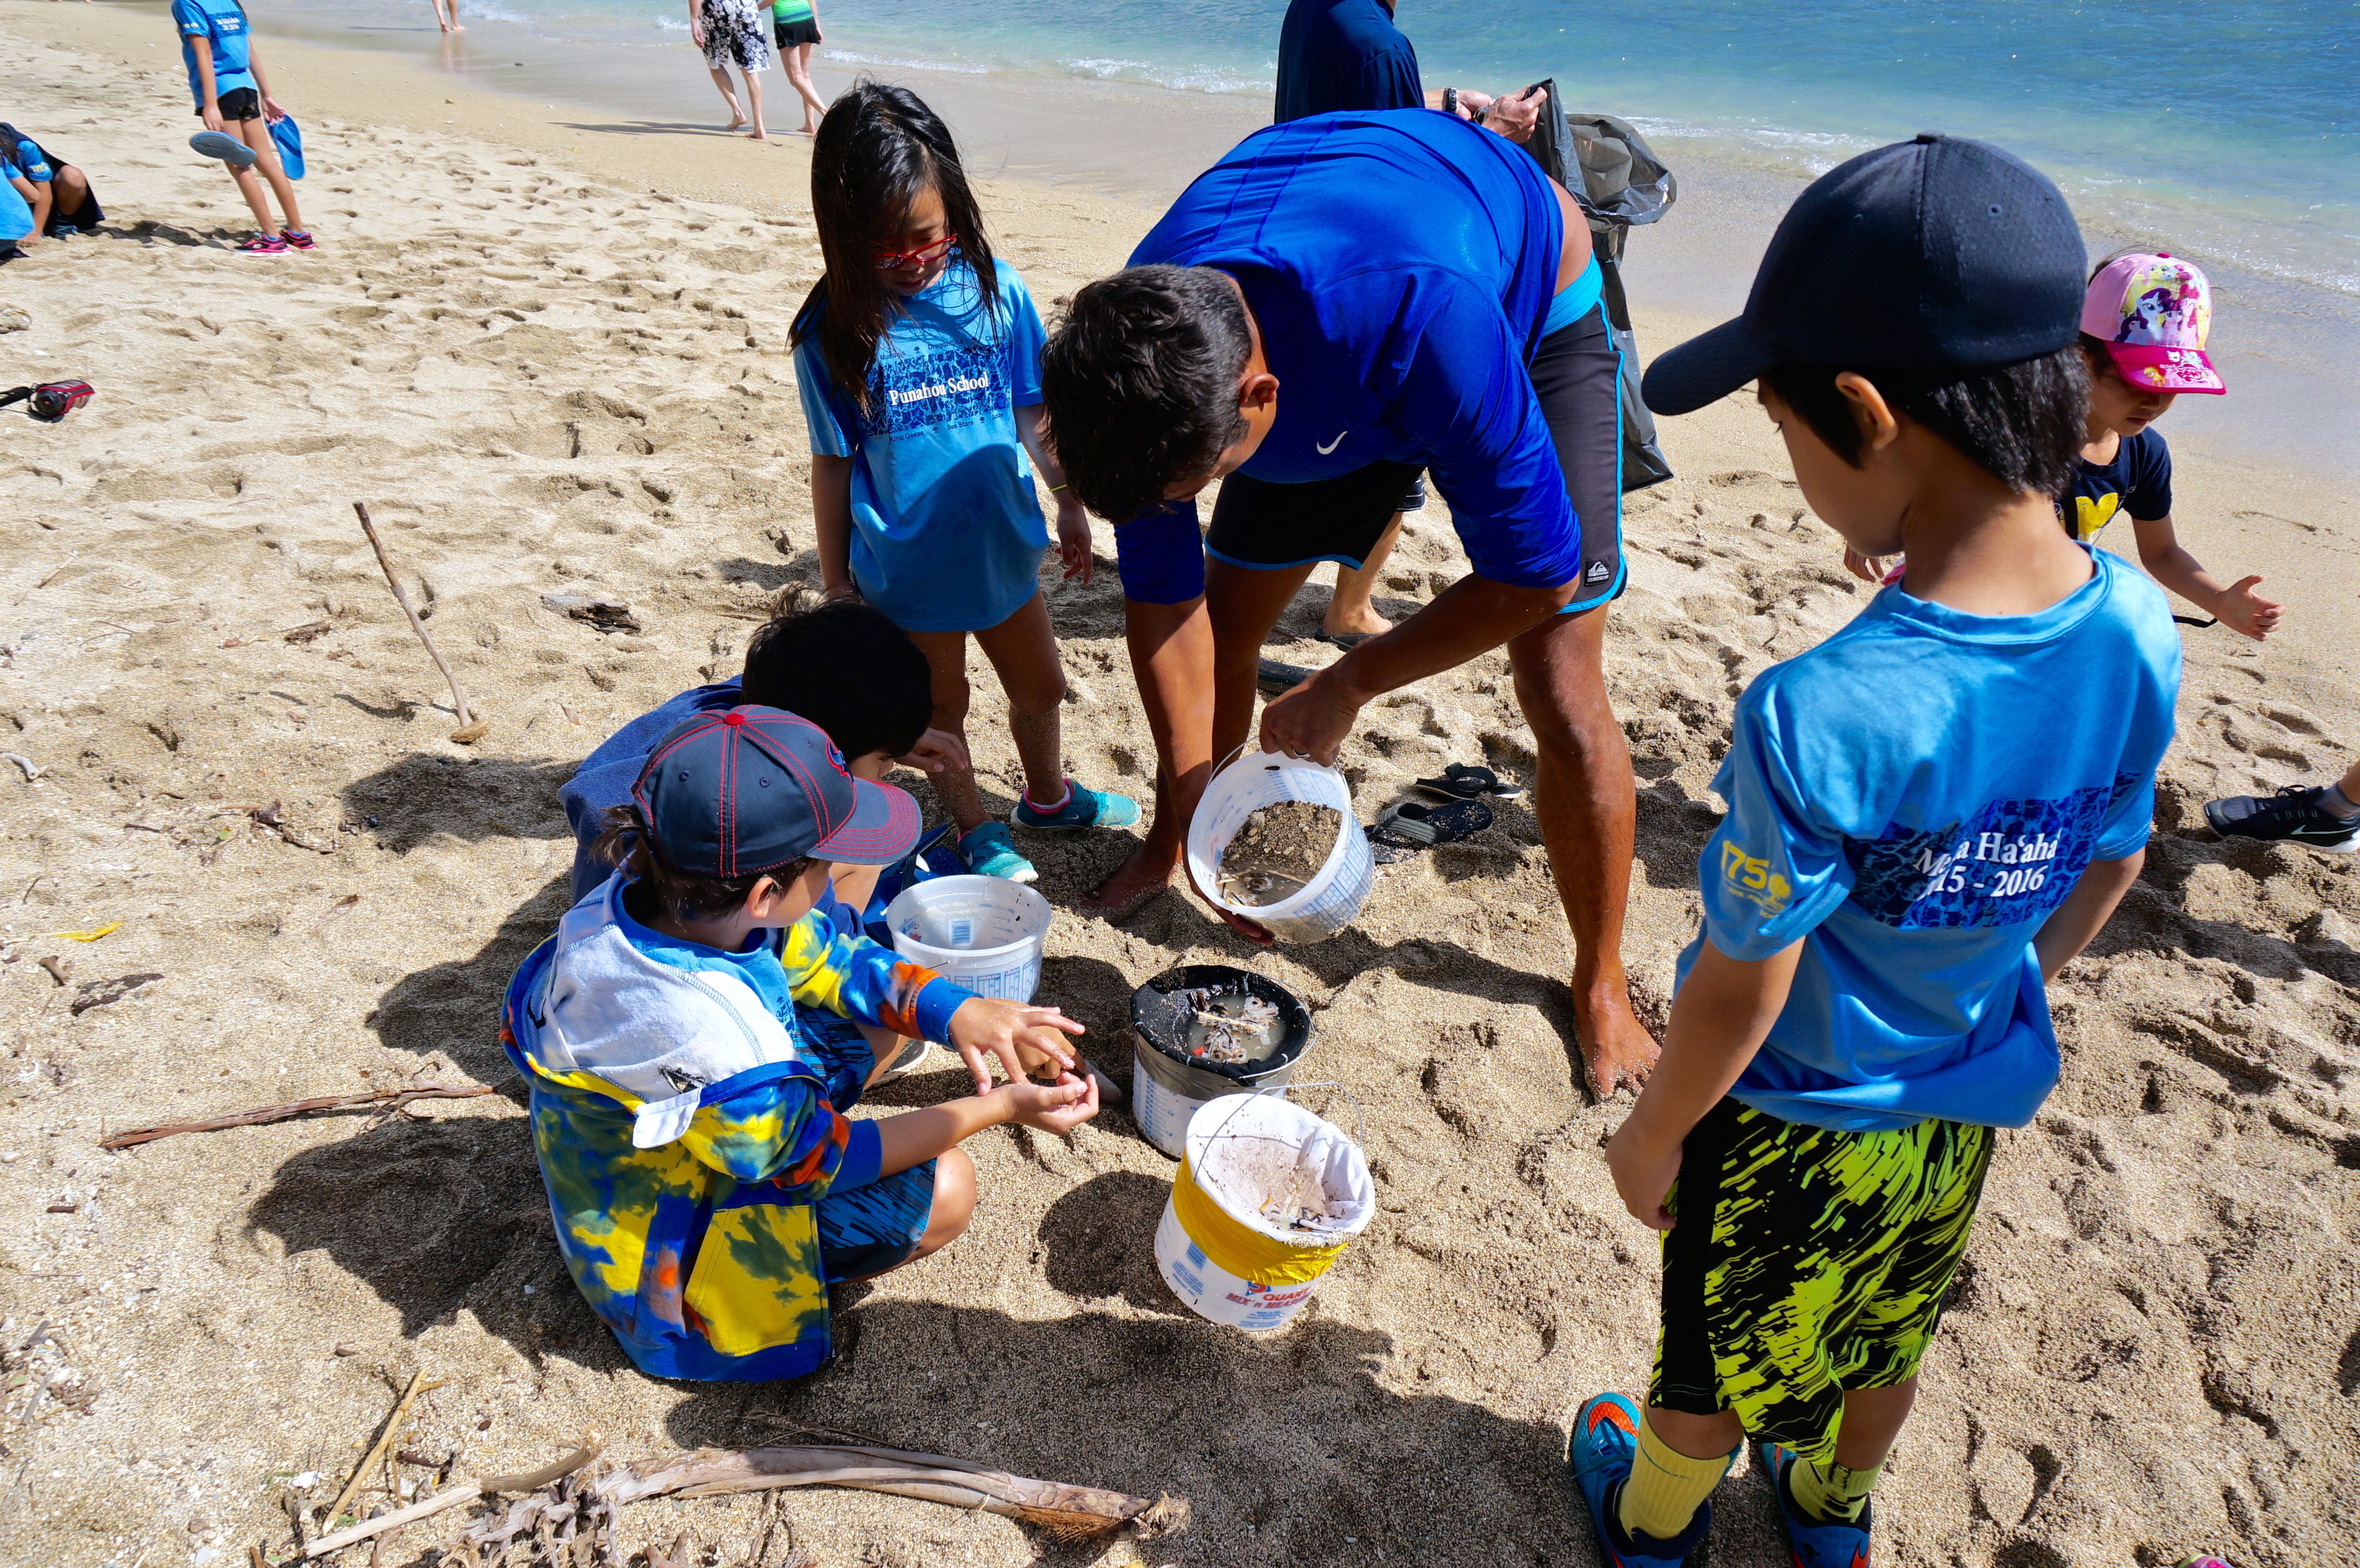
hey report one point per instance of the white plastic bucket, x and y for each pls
(1325, 904)
(983, 933)
(1224, 1245)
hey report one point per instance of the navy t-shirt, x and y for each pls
(1400, 263)
(1343, 54)
(2136, 485)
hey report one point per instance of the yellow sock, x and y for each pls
(1831, 1493)
(1666, 1486)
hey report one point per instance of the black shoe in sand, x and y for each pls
(2293, 815)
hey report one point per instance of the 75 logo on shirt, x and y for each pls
(1753, 880)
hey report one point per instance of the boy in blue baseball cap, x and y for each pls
(705, 1183)
(1929, 813)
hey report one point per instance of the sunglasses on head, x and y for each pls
(924, 256)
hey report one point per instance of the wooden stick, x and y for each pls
(466, 1492)
(458, 697)
(418, 1385)
(398, 1098)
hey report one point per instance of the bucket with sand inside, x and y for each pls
(1204, 1030)
(1267, 1198)
(1276, 840)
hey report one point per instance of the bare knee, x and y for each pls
(952, 696)
(954, 1206)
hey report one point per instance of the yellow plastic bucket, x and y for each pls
(1267, 1198)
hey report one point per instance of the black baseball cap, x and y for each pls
(729, 794)
(1936, 254)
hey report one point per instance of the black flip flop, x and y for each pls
(1273, 677)
(1348, 641)
(1460, 782)
(1411, 826)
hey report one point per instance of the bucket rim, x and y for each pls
(1294, 904)
(1290, 1006)
(1195, 1170)
(1034, 904)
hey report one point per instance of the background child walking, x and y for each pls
(1929, 814)
(918, 355)
(234, 98)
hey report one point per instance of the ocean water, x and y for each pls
(2231, 131)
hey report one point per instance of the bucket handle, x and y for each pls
(1360, 1117)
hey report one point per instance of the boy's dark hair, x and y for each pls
(622, 841)
(846, 667)
(1140, 383)
(876, 150)
(2021, 423)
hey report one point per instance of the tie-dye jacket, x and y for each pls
(684, 1136)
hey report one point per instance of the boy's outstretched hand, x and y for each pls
(986, 1029)
(1058, 1107)
(2241, 609)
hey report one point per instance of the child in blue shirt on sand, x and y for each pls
(918, 355)
(233, 96)
(705, 1185)
(1929, 813)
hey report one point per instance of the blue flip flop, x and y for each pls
(228, 148)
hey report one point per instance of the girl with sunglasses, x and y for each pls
(918, 355)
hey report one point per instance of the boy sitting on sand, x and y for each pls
(1928, 814)
(705, 1185)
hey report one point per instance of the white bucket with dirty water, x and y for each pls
(1266, 1200)
(983, 933)
(1321, 906)
(1178, 1068)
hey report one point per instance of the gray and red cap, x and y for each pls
(752, 788)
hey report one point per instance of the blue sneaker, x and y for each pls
(989, 851)
(1605, 1441)
(1816, 1545)
(1083, 809)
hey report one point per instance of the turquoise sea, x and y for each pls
(2231, 129)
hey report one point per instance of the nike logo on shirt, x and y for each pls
(1331, 446)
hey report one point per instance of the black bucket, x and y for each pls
(1168, 1083)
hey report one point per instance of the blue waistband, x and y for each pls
(1574, 300)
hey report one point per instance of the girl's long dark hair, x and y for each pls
(878, 149)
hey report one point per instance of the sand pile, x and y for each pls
(544, 384)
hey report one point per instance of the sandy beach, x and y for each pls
(549, 350)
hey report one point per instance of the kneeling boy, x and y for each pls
(706, 1184)
(1928, 814)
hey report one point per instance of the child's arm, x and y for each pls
(1073, 518)
(915, 1136)
(202, 48)
(2085, 911)
(832, 517)
(2236, 606)
(270, 109)
(25, 188)
(1719, 1021)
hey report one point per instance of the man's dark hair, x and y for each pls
(623, 841)
(1141, 381)
(846, 667)
(2021, 423)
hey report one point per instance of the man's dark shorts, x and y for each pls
(239, 103)
(1267, 526)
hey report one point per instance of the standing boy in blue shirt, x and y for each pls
(234, 98)
(1928, 814)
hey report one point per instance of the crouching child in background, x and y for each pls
(706, 1184)
(1929, 814)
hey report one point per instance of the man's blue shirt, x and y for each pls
(1399, 264)
(1343, 54)
(1911, 800)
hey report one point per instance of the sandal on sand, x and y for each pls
(1411, 826)
(1461, 782)
(1348, 641)
(228, 148)
(1273, 677)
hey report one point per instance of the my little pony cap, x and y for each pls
(2152, 313)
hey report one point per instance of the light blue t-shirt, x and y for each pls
(223, 24)
(16, 213)
(946, 530)
(1912, 799)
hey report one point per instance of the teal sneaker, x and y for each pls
(1083, 809)
(989, 851)
(1605, 1441)
(1816, 1545)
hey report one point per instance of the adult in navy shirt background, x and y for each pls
(1284, 331)
(1348, 54)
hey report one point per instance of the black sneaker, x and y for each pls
(2293, 814)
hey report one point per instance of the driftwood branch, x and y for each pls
(450, 1498)
(393, 1099)
(385, 1440)
(458, 697)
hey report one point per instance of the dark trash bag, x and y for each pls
(1621, 183)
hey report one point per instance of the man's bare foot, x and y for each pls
(1616, 1049)
(1147, 873)
(1365, 622)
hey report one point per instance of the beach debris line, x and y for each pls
(393, 1099)
(1277, 850)
(471, 729)
(466, 1492)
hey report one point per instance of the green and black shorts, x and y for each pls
(1806, 1262)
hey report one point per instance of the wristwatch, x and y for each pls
(1450, 101)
